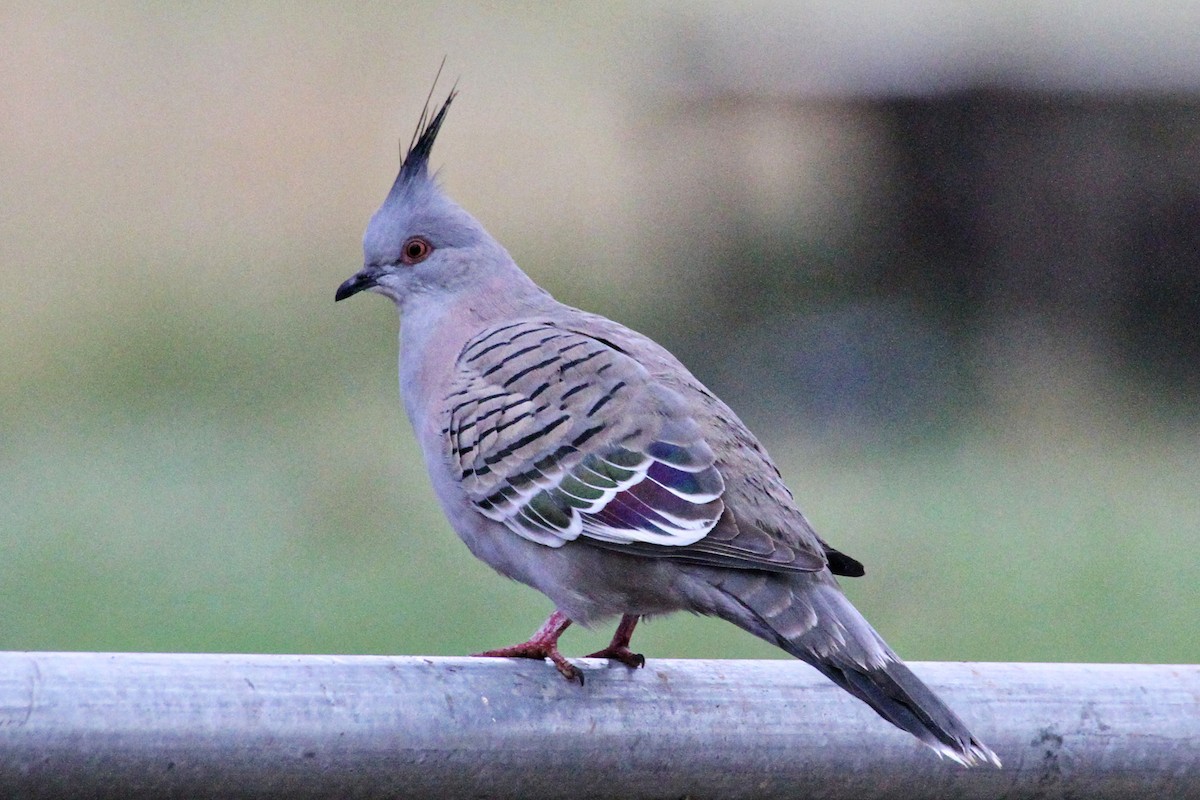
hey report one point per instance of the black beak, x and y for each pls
(365, 278)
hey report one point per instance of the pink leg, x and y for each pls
(618, 648)
(542, 645)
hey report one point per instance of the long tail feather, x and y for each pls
(808, 616)
(901, 698)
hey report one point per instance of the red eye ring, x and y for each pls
(415, 250)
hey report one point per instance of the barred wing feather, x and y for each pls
(559, 435)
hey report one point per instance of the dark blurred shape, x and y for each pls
(953, 214)
(1080, 209)
(1161, 316)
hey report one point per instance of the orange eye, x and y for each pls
(415, 250)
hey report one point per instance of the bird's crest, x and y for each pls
(416, 159)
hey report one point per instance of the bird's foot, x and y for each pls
(623, 654)
(618, 648)
(542, 645)
(540, 651)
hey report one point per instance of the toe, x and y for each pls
(623, 654)
(568, 670)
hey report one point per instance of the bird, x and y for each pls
(580, 458)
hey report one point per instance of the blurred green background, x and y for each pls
(199, 451)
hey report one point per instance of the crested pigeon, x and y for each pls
(579, 457)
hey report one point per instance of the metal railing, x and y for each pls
(136, 725)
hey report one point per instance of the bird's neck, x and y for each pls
(434, 330)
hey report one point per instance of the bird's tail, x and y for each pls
(809, 617)
(904, 700)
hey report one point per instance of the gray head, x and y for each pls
(420, 242)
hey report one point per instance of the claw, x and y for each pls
(623, 654)
(568, 670)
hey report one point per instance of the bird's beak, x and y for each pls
(365, 278)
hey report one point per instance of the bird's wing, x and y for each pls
(562, 436)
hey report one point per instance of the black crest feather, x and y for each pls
(416, 160)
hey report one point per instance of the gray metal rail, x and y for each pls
(134, 725)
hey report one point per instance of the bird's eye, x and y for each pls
(415, 250)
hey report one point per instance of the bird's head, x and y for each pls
(420, 242)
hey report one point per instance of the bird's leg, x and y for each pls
(618, 648)
(542, 645)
